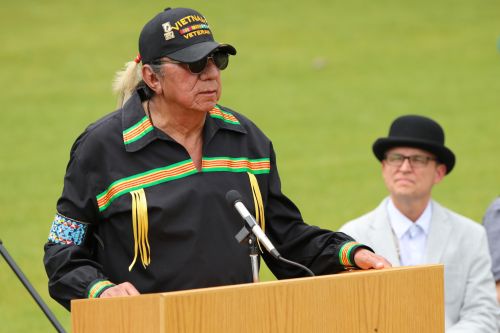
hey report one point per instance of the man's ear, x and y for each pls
(440, 173)
(151, 79)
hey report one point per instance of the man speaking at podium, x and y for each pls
(143, 206)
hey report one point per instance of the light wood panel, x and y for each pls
(404, 299)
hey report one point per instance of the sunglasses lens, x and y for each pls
(221, 60)
(198, 66)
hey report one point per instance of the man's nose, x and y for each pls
(211, 70)
(406, 165)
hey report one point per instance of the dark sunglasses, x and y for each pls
(220, 59)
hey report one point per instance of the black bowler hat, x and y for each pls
(182, 34)
(418, 132)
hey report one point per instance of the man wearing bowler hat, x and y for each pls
(409, 228)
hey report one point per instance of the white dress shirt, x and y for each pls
(410, 237)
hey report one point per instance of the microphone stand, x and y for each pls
(233, 198)
(254, 256)
(31, 290)
(246, 236)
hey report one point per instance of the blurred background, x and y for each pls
(323, 79)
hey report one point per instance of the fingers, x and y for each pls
(382, 263)
(365, 259)
(122, 289)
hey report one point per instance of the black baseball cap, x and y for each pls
(181, 34)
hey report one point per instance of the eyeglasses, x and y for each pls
(416, 161)
(220, 59)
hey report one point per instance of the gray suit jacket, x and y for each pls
(455, 241)
(491, 223)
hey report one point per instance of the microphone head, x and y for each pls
(232, 196)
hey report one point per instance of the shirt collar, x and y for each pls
(221, 118)
(138, 131)
(400, 223)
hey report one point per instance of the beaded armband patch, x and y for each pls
(67, 231)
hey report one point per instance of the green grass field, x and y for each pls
(323, 79)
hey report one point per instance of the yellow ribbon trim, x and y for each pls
(140, 228)
(257, 201)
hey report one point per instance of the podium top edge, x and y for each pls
(267, 284)
(342, 275)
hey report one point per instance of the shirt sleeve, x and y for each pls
(322, 251)
(479, 308)
(491, 223)
(69, 262)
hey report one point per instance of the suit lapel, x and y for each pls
(439, 234)
(382, 236)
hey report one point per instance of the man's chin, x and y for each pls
(403, 193)
(206, 106)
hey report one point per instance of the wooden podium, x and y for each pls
(403, 299)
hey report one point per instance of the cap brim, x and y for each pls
(198, 51)
(443, 154)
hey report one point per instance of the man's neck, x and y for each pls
(410, 207)
(182, 125)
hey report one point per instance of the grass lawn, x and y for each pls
(323, 79)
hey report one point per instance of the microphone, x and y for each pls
(233, 198)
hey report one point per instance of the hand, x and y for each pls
(365, 259)
(122, 289)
